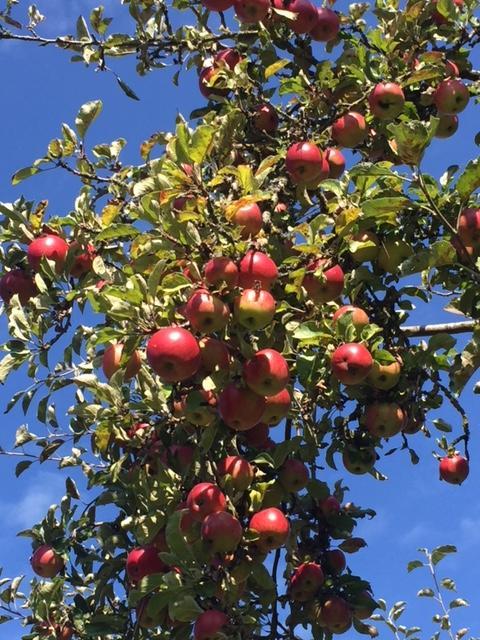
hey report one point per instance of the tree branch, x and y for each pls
(466, 326)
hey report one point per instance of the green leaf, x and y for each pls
(440, 552)
(175, 539)
(184, 609)
(201, 142)
(458, 602)
(469, 181)
(414, 564)
(426, 593)
(22, 466)
(24, 173)
(263, 578)
(87, 114)
(384, 208)
(128, 91)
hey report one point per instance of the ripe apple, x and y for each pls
(306, 14)
(276, 407)
(451, 69)
(227, 57)
(451, 96)
(447, 126)
(386, 100)
(358, 317)
(364, 246)
(337, 614)
(272, 527)
(336, 162)
(217, 5)
(440, 19)
(205, 312)
(214, 354)
(50, 247)
(392, 253)
(197, 407)
(205, 498)
(221, 532)
(322, 282)
(207, 82)
(454, 468)
(209, 624)
(46, 562)
(180, 457)
(265, 118)
(351, 363)
(329, 507)
(240, 409)
(221, 270)
(305, 581)
(257, 436)
(251, 11)
(17, 282)
(83, 260)
(239, 469)
(143, 561)
(266, 372)
(384, 419)
(111, 360)
(304, 162)
(468, 228)
(385, 376)
(256, 266)
(64, 631)
(249, 218)
(359, 461)
(254, 309)
(174, 354)
(294, 475)
(327, 25)
(349, 130)
(335, 561)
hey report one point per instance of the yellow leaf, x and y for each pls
(109, 213)
(272, 69)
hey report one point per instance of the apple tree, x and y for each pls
(231, 317)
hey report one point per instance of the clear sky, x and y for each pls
(40, 90)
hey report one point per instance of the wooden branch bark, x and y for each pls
(415, 331)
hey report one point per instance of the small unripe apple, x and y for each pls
(205, 498)
(221, 532)
(385, 376)
(265, 118)
(240, 409)
(447, 126)
(392, 253)
(386, 100)
(17, 282)
(256, 267)
(174, 354)
(111, 360)
(272, 527)
(451, 97)
(306, 14)
(358, 316)
(251, 11)
(46, 562)
(249, 218)
(254, 309)
(351, 363)
(205, 312)
(350, 130)
(221, 270)
(209, 624)
(304, 162)
(48, 246)
(327, 25)
(384, 419)
(276, 407)
(293, 475)
(454, 469)
(322, 282)
(266, 372)
(364, 246)
(336, 162)
(468, 228)
(239, 469)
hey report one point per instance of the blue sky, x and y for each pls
(40, 90)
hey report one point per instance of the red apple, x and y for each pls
(217, 5)
(276, 407)
(249, 218)
(257, 436)
(240, 409)
(327, 284)
(256, 267)
(17, 282)
(174, 354)
(83, 259)
(265, 118)
(221, 270)
(336, 162)
(266, 372)
(251, 11)
(206, 84)
(112, 357)
(451, 97)
(468, 227)
(227, 57)
(327, 25)
(206, 313)
(335, 561)
(305, 581)
(337, 614)
(46, 562)
(447, 126)
(306, 14)
(351, 363)
(180, 457)
(209, 624)
(143, 561)
(221, 532)
(385, 376)
(384, 419)
(454, 468)
(386, 100)
(254, 309)
(50, 247)
(214, 354)
(272, 528)
(293, 475)
(304, 162)
(358, 316)
(240, 471)
(350, 130)
(205, 498)
(329, 507)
